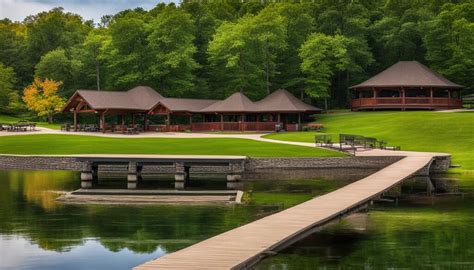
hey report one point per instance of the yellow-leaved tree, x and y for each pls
(42, 97)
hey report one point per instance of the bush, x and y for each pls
(315, 126)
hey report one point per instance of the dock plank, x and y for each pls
(242, 246)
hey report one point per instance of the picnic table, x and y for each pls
(20, 126)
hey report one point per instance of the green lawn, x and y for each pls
(420, 131)
(12, 119)
(73, 144)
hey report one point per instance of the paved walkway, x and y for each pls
(243, 246)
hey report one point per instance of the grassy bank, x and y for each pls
(418, 131)
(71, 144)
(12, 119)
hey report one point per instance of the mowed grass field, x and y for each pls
(73, 144)
(412, 130)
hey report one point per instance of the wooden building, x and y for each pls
(407, 85)
(143, 104)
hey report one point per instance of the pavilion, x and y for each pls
(407, 85)
(154, 112)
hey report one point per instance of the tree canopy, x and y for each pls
(210, 49)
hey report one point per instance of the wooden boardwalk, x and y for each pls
(242, 247)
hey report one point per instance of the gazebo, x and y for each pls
(407, 85)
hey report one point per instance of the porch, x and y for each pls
(417, 98)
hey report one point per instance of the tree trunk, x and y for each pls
(326, 104)
(97, 74)
(50, 118)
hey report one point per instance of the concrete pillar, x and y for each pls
(181, 175)
(87, 174)
(134, 174)
(235, 172)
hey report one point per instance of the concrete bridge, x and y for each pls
(244, 246)
(181, 164)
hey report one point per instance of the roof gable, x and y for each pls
(284, 101)
(408, 74)
(237, 102)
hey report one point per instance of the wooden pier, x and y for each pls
(244, 246)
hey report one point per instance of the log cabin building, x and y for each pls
(407, 85)
(144, 106)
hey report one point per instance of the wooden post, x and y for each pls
(299, 119)
(449, 99)
(403, 99)
(168, 119)
(123, 123)
(278, 118)
(102, 116)
(242, 122)
(75, 120)
(133, 119)
(431, 97)
(145, 122)
(222, 122)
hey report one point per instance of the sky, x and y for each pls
(17, 10)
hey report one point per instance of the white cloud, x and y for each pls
(17, 10)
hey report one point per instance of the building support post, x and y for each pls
(123, 123)
(102, 120)
(299, 122)
(181, 175)
(431, 97)
(222, 122)
(88, 172)
(145, 122)
(449, 99)
(403, 99)
(168, 122)
(75, 120)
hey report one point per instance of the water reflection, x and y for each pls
(37, 232)
(419, 233)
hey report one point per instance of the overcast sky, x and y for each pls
(17, 10)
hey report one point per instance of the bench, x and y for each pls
(323, 140)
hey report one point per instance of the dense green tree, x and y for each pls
(57, 66)
(349, 18)
(449, 40)
(206, 20)
(232, 58)
(13, 50)
(172, 50)
(47, 31)
(127, 55)
(245, 52)
(7, 82)
(210, 49)
(322, 56)
(91, 54)
(299, 25)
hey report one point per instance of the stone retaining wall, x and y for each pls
(255, 168)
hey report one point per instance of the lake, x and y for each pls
(36, 232)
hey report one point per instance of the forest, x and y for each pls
(211, 49)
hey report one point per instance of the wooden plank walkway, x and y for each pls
(243, 246)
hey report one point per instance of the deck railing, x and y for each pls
(407, 102)
(217, 126)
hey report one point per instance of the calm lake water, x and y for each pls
(36, 232)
